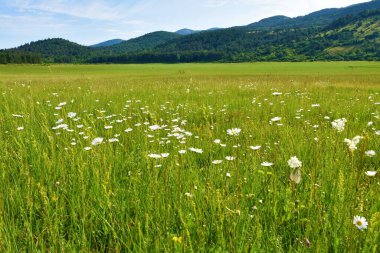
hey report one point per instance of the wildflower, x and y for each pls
(196, 150)
(154, 127)
(188, 194)
(371, 173)
(113, 140)
(177, 239)
(155, 156)
(277, 93)
(339, 124)
(87, 148)
(97, 141)
(275, 119)
(234, 131)
(296, 164)
(217, 141)
(20, 128)
(353, 143)
(108, 127)
(217, 161)
(230, 158)
(128, 130)
(370, 153)
(266, 164)
(360, 222)
(293, 162)
(255, 147)
(71, 115)
(228, 175)
(61, 126)
(164, 155)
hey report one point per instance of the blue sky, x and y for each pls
(90, 22)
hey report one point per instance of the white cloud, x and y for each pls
(95, 10)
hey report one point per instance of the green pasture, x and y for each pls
(166, 175)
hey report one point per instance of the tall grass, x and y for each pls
(57, 196)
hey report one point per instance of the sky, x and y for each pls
(88, 22)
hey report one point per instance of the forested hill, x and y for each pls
(146, 42)
(354, 37)
(313, 20)
(351, 33)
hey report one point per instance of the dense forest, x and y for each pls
(350, 33)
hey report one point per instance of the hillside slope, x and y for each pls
(350, 33)
(56, 50)
(145, 42)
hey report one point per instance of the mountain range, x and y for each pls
(349, 33)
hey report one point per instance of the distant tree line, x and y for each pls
(19, 57)
(158, 57)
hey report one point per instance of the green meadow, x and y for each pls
(260, 157)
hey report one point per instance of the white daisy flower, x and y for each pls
(155, 156)
(234, 131)
(371, 173)
(360, 222)
(196, 150)
(255, 147)
(97, 141)
(230, 158)
(154, 127)
(275, 119)
(71, 115)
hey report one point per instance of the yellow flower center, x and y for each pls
(359, 223)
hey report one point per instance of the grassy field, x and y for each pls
(190, 158)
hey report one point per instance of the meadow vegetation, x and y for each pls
(263, 157)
